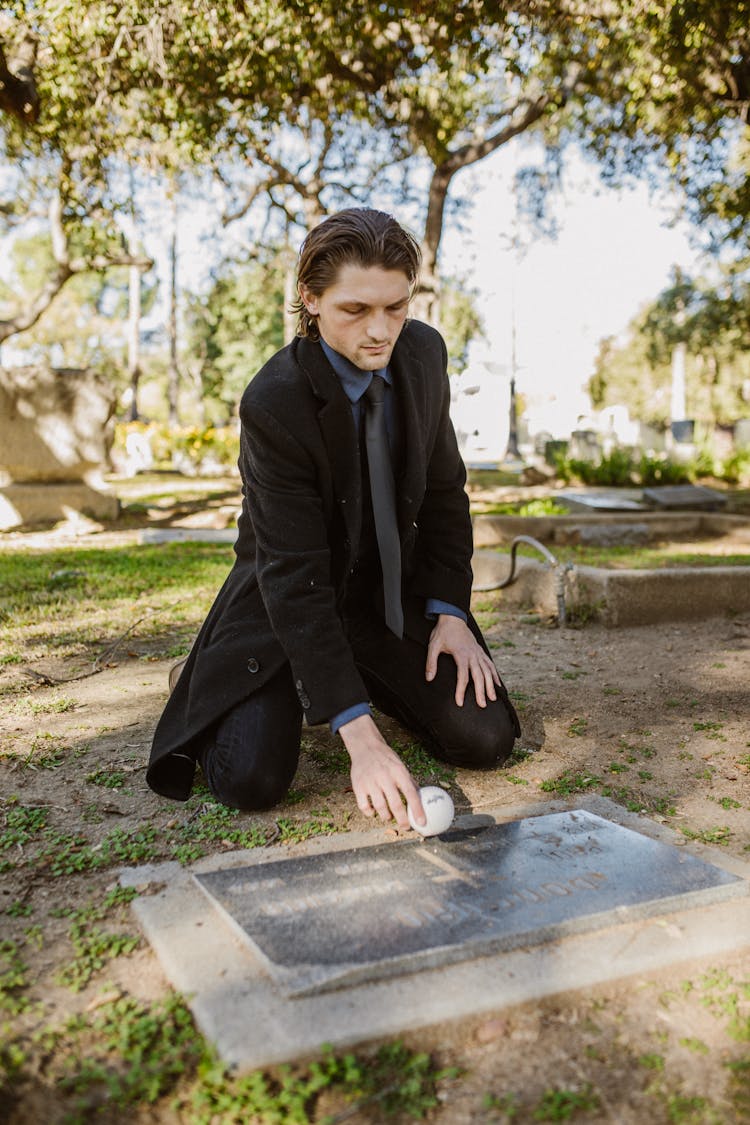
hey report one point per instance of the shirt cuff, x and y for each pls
(434, 607)
(346, 716)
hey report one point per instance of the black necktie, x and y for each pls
(383, 493)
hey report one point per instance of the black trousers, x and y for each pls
(251, 757)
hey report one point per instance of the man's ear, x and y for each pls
(309, 300)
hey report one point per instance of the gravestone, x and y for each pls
(322, 922)
(349, 939)
(56, 429)
(619, 501)
(684, 496)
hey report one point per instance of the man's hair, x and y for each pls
(358, 236)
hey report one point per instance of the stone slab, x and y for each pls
(185, 534)
(26, 504)
(599, 502)
(684, 496)
(241, 1009)
(321, 922)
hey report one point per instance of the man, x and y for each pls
(352, 576)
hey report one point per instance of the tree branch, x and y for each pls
(18, 93)
(65, 269)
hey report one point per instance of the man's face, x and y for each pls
(362, 313)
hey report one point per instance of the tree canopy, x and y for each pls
(304, 108)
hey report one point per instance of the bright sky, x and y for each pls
(614, 252)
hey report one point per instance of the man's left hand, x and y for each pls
(453, 636)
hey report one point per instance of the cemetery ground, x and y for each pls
(653, 718)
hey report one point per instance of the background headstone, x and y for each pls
(56, 431)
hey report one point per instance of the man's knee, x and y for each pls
(250, 789)
(482, 739)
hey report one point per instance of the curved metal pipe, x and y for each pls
(561, 569)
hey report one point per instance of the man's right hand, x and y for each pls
(379, 777)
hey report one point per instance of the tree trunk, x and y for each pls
(290, 296)
(134, 338)
(173, 372)
(426, 303)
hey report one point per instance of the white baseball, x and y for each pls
(438, 808)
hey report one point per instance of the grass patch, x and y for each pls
(103, 592)
(130, 1055)
(94, 947)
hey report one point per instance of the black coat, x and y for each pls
(298, 535)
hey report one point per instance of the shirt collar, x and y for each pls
(353, 379)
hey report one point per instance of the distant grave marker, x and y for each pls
(599, 502)
(347, 917)
(681, 496)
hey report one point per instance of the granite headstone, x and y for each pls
(321, 922)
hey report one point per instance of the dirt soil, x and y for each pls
(655, 718)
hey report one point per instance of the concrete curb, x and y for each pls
(619, 597)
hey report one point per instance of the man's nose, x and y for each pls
(377, 327)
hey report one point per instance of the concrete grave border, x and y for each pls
(237, 1007)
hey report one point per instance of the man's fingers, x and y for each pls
(430, 669)
(414, 801)
(363, 804)
(462, 679)
(392, 794)
(487, 690)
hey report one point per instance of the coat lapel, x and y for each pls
(409, 383)
(339, 435)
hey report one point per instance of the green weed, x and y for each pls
(652, 1061)
(425, 769)
(519, 755)
(107, 777)
(215, 823)
(683, 1109)
(136, 1054)
(696, 1045)
(13, 979)
(569, 782)
(21, 823)
(718, 835)
(295, 831)
(507, 1104)
(578, 727)
(560, 1104)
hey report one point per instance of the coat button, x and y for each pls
(252, 665)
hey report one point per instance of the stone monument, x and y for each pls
(56, 430)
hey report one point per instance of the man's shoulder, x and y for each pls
(421, 347)
(421, 334)
(279, 377)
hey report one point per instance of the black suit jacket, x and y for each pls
(298, 537)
